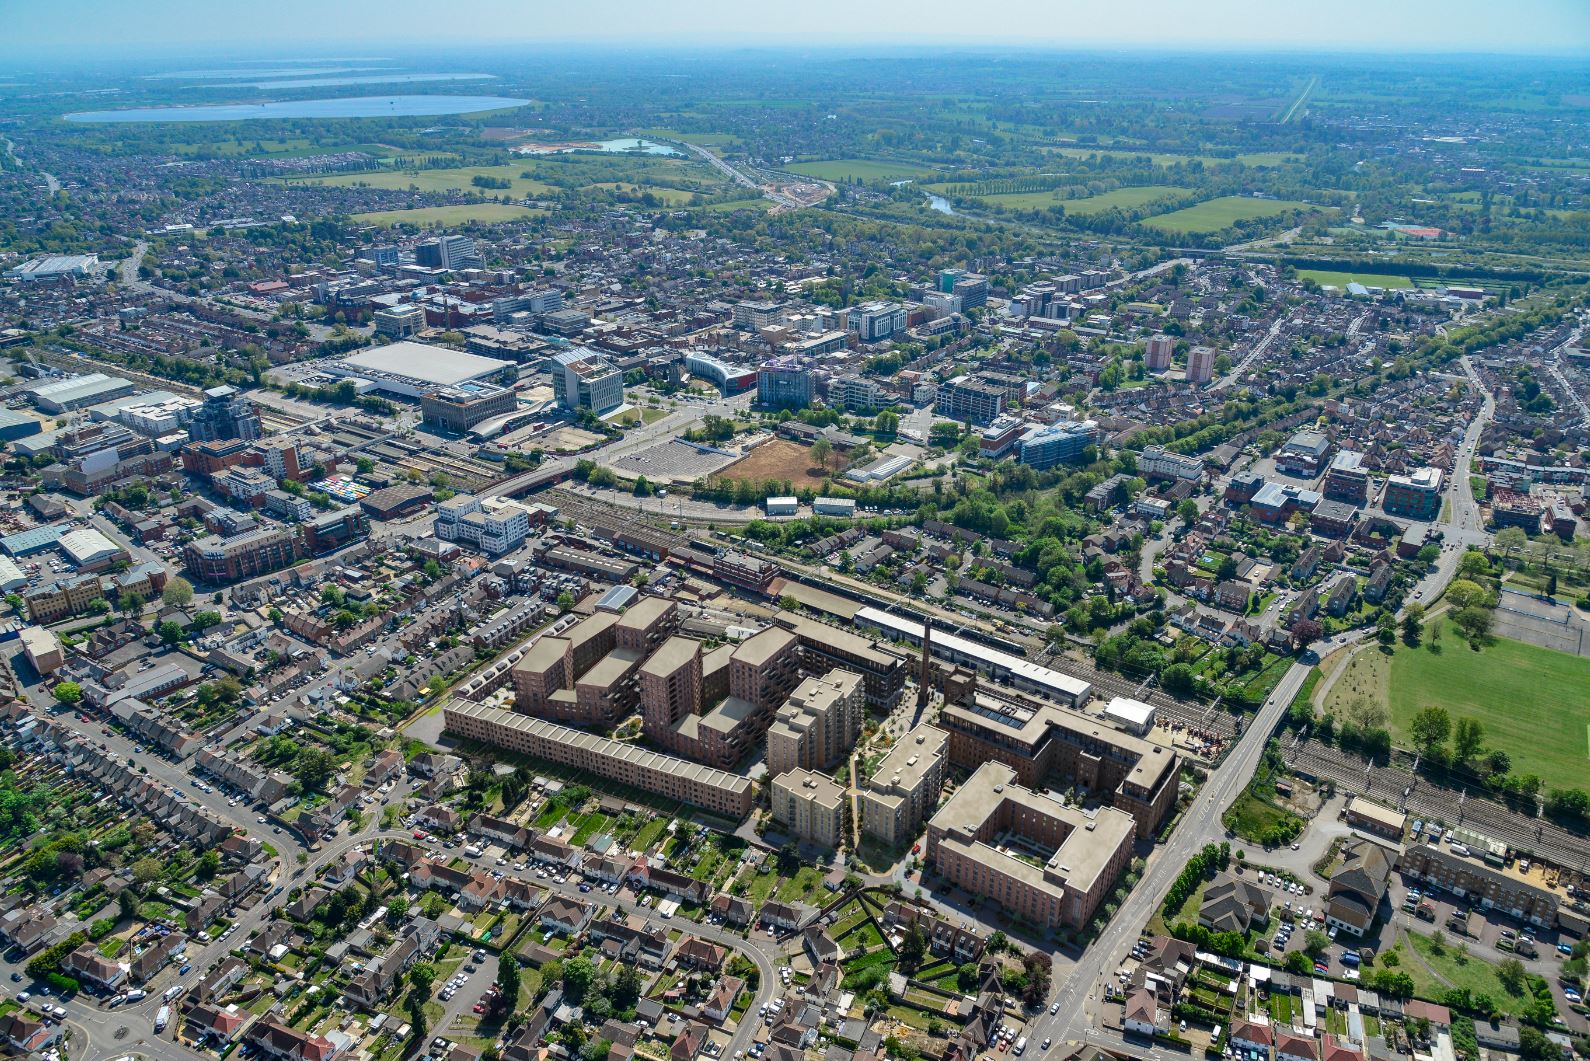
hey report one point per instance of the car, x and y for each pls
(1569, 993)
(1562, 948)
(478, 1007)
(23, 996)
(1054, 1009)
(261, 821)
(185, 970)
(16, 978)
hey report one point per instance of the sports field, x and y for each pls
(1326, 278)
(1122, 198)
(439, 180)
(450, 215)
(1530, 700)
(845, 169)
(1217, 214)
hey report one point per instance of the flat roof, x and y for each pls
(671, 655)
(910, 758)
(1128, 710)
(429, 364)
(951, 645)
(87, 544)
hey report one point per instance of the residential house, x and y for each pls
(25, 1033)
(1358, 887)
(568, 916)
(1293, 1046)
(697, 953)
(215, 1025)
(91, 967)
(1231, 904)
(1143, 1015)
(274, 1039)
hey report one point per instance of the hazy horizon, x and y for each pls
(100, 30)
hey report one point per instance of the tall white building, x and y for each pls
(584, 379)
(494, 526)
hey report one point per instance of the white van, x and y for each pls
(1021, 1046)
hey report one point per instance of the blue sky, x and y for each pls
(126, 27)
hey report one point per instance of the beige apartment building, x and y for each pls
(715, 790)
(818, 724)
(1034, 856)
(810, 807)
(904, 790)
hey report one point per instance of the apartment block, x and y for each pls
(1347, 481)
(818, 724)
(904, 790)
(825, 647)
(809, 806)
(1034, 856)
(1472, 878)
(256, 552)
(1201, 364)
(646, 624)
(1157, 462)
(1157, 353)
(494, 526)
(1414, 496)
(714, 790)
(1036, 740)
(670, 685)
(765, 668)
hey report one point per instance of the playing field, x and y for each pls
(1217, 214)
(450, 215)
(1326, 278)
(439, 180)
(1121, 198)
(845, 169)
(1530, 700)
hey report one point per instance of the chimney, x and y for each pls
(927, 666)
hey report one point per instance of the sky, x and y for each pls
(126, 28)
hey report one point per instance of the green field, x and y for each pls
(1123, 198)
(438, 180)
(450, 215)
(1326, 278)
(1217, 214)
(1434, 967)
(844, 169)
(1530, 700)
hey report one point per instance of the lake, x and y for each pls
(335, 82)
(939, 203)
(344, 107)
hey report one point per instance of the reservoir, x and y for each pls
(345, 107)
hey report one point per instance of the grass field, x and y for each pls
(844, 169)
(438, 180)
(1434, 970)
(1326, 278)
(449, 215)
(1529, 699)
(1123, 198)
(1216, 214)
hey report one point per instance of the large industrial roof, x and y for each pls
(429, 364)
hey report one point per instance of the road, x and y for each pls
(1554, 366)
(1246, 363)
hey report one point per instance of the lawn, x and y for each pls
(1453, 968)
(439, 180)
(1217, 214)
(1255, 819)
(1530, 700)
(808, 881)
(1122, 198)
(845, 169)
(760, 887)
(594, 823)
(648, 835)
(487, 213)
(1327, 278)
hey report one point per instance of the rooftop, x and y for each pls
(429, 364)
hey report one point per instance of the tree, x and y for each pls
(1510, 971)
(421, 977)
(912, 948)
(822, 451)
(508, 980)
(1474, 622)
(1315, 943)
(1463, 593)
(1188, 511)
(147, 870)
(577, 976)
(1305, 632)
(1299, 963)
(1468, 739)
(1511, 541)
(170, 631)
(313, 768)
(69, 693)
(887, 422)
(178, 592)
(1429, 729)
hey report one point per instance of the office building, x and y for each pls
(255, 552)
(457, 409)
(809, 806)
(858, 394)
(1048, 445)
(1304, 454)
(875, 321)
(449, 252)
(400, 322)
(1157, 462)
(971, 287)
(818, 724)
(702, 786)
(384, 256)
(42, 649)
(971, 839)
(785, 383)
(1157, 353)
(585, 379)
(1416, 495)
(757, 315)
(332, 530)
(1347, 481)
(1001, 436)
(225, 414)
(54, 601)
(494, 526)
(904, 790)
